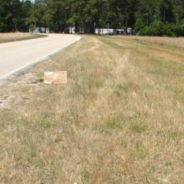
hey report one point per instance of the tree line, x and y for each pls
(146, 17)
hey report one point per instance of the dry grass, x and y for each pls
(174, 42)
(118, 120)
(9, 37)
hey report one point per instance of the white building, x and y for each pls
(72, 30)
(129, 30)
(40, 30)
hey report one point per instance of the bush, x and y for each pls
(179, 28)
(158, 28)
(155, 29)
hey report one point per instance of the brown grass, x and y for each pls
(118, 120)
(9, 37)
(169, 41)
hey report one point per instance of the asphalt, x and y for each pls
(15, 57)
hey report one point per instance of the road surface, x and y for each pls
(16, 56)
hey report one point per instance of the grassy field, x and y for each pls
(120, 118)
(168, 41)
(9, 37)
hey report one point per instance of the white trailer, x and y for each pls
(104, 31)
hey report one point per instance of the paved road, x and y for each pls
(16, 56)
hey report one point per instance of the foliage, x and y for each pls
(147, 17)
(139, 25)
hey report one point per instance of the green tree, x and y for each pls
(10, 15)
(139, 25)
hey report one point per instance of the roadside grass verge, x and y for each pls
(118, 120)
(11, 37)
